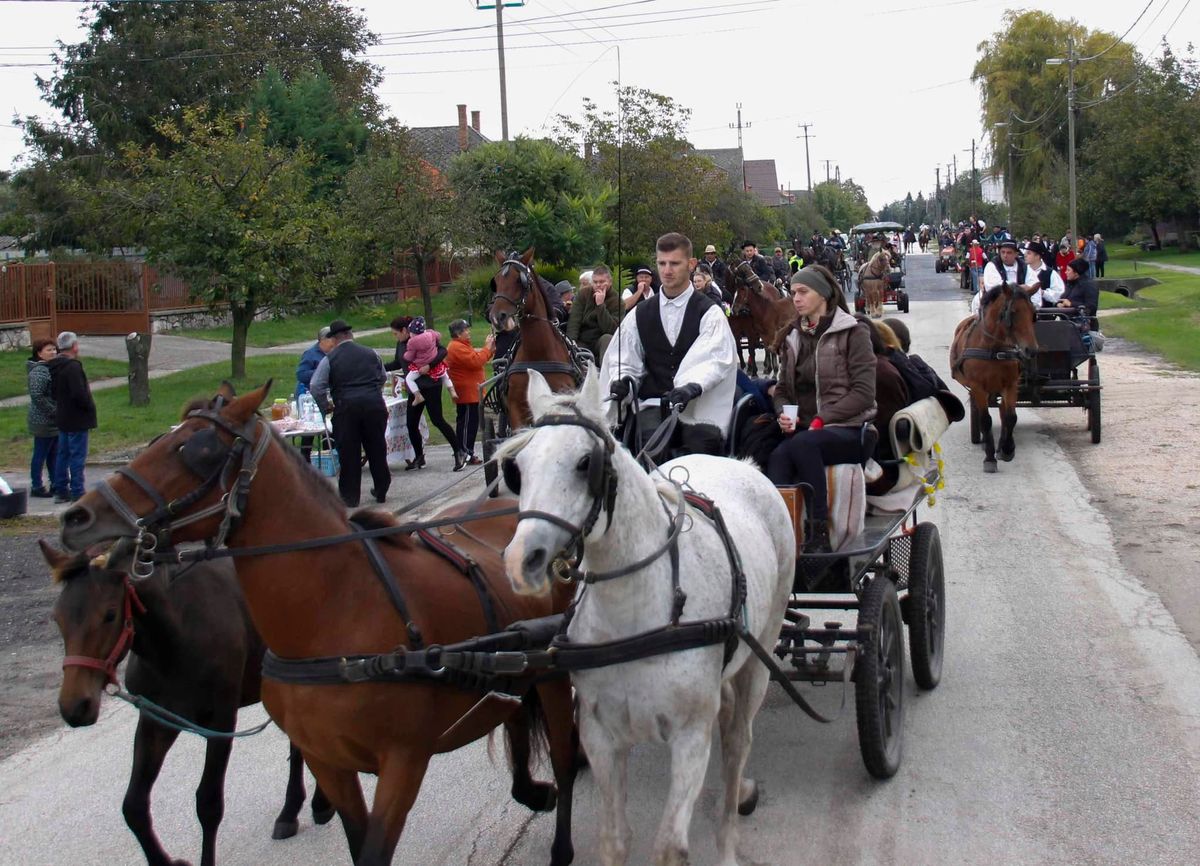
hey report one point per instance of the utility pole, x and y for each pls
(974, 177)
(1070, 60)
(838, 173)
(949, 190)
(807, 164)
(499, 7)
(937, 196)
(739, 126)
(1008, 175)
(828, 162)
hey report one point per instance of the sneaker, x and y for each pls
(474, 461)
(460, 460)
(41, 493)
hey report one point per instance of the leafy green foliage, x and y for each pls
(841, 205)
(535, 193)
(231, 214)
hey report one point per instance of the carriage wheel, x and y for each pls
(976, 434)
(902, 302)
(879, 680)
(490, 469)
(1093, 406)
(926, 606)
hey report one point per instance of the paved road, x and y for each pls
(1066, 729)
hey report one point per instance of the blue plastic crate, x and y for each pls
(326, 462)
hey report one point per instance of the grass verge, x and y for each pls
(1169, 256)
(14, 380)
(1168, 321)
(304, 326)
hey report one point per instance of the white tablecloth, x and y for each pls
(399, 448)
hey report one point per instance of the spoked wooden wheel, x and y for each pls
(926, 606)
(1093, 404)
(879, 680)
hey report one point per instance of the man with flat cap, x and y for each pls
(1007, 268)
(349, 383)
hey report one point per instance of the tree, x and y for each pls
(663, 185)
(404, 208)
(1016, 85)
(141, 63)
(228, 212)
(536, 193)
(842, 204)
(1144, 144)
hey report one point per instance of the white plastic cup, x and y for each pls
(791, 410)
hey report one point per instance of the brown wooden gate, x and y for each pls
(101, 298)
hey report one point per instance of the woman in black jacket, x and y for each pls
(431, 390)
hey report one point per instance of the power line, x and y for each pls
(1118, 40)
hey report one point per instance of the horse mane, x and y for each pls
(313, 480)
(79, 564)
(991, 295)
(373, 518)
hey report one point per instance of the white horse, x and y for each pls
(675, 697)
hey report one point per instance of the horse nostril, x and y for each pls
(77, 517)
(535, 560)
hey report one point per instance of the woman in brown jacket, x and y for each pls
(827, 370)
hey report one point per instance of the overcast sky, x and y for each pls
(842, 67)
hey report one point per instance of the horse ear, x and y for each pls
(500, 257)
(589, 394)
(54, 557)
(538, 394)
(243, 407)
(527, 257)
(226, 392)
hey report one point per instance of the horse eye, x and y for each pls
(584, 463)
(111, 616)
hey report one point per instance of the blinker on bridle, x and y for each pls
(205, 455)
(526, 279)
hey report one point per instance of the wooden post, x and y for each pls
(52, 301)
(22, 301)
(138, 347)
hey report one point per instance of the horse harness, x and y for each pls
(108, 665)
(1002, 352)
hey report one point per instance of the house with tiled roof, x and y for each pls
(440, 144)
(728, 160)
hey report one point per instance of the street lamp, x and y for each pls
(1070, 60)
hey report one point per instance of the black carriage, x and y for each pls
(1064, 372)
(891, 575)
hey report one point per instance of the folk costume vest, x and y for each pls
(355, 375)
(662, 360)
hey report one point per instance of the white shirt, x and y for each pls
(626, 294)
(1052, 294)
(711, 362)
(992, 278)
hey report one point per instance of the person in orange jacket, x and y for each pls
(466, 372)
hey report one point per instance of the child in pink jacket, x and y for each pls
(421, 350)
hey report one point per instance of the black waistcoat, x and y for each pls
(661, 359)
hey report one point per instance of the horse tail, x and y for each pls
(534, 726)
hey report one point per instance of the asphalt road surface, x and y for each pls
(1066, 728)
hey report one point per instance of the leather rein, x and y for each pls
(999, 350)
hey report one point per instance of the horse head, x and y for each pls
(93, 613)
(191, 481)
(1008, 317)
(562, 470)
(511, 287)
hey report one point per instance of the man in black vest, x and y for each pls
(349, 383)
(676, 349)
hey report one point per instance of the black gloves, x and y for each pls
(683, 395)
(621, 389)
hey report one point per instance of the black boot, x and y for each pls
(818, 541)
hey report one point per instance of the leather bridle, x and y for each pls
(108, 666)
(526, 276)
(211, 459)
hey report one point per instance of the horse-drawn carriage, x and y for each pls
(1054, 374)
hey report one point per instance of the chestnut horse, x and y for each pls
(192, 650)
(225, 475)
(769, 312)
(985, 357)
(744, 327)
(518, 304)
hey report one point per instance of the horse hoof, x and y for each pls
(1007, 456)
(285, 829)
(989, 465)
(539, 797)
(323, 816)
(749, 803)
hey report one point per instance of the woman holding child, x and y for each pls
(422, 359)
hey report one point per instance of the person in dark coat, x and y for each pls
(719, 268)
(349, 384)
(304, 371)
(41, 417)
(1082, 292)
(431, 391)
(596, 314)
(1101, 256)
(74, 415)
(758, 262)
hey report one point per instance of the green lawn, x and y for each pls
(1168, 322)
(14, 380)
(1169, 256)
(304, 326)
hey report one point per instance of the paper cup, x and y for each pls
(791, 410)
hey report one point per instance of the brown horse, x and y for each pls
(767, 309)
(519, 304)
(224, 474)
(192, 649)
(745, 328)
(985, 357)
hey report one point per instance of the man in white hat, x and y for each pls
(719, 268)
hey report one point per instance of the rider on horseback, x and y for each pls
(676, 350)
